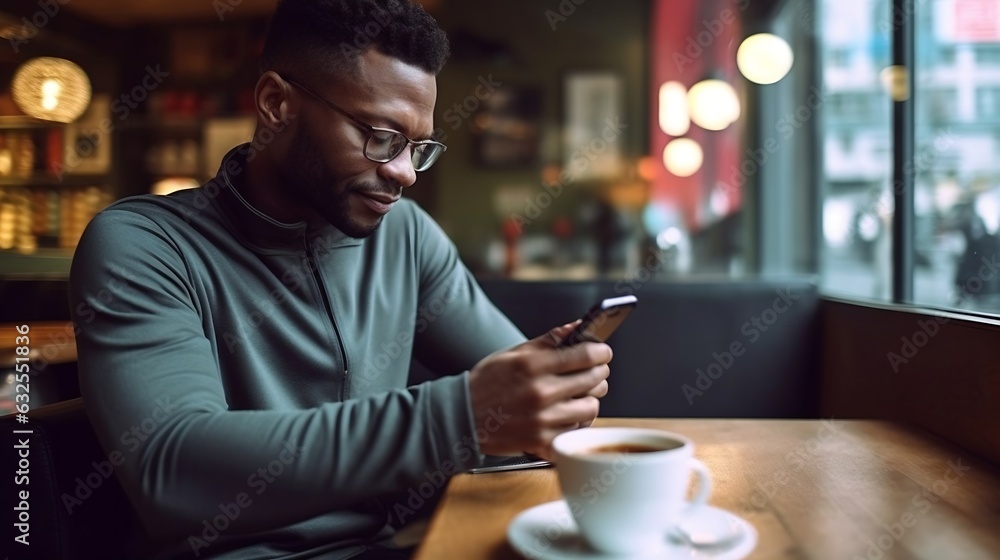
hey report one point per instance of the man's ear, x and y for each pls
(272, 97)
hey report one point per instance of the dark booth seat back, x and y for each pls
(728, 349)
(78, 509)
(725, 349)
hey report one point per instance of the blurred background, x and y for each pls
(639, 139)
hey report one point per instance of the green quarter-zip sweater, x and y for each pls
(253, 374)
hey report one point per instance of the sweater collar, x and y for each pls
(256, 227)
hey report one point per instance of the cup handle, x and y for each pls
(704, 486)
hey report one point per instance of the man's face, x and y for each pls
(326, 170)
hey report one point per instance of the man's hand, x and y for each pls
(525, 396)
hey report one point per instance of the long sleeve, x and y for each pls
(151, 382)
(457, 324)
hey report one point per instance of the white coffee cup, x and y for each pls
(627, 501)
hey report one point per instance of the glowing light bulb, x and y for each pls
(683, 157)
(764, 58)
(713, 104)
(674, 118)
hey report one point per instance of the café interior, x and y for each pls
(804, 196)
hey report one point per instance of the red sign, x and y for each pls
(976, 21)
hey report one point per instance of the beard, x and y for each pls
(310, 183)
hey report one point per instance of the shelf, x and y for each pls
(25, 123)
(52, 181)
(169, 123)
(180, 172)
(49, 262)
(40, 252)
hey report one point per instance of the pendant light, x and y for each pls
(53, 89)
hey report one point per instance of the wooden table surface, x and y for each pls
(812, 488)
(51, 341)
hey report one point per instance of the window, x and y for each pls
(847, 141)
(840, 58)
(939, 104)
(857, 207)
(851, 106)
(956, 172)
(987, 55)
(946, 55)
(957, 206)
(988, 103)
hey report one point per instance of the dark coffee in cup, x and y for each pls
(622, 448)
(643, 476)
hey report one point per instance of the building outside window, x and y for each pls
(988, 103)
(957, 173)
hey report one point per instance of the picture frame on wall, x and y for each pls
(87, 142)
(593, 137)
(222, 135)
(507, 129)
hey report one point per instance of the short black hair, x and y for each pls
(305, 35)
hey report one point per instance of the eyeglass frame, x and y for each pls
(371, 129)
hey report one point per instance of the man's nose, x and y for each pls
(400, 170)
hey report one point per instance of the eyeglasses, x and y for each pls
(383, 144)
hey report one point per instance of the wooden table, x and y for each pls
(49, 342)
(812, 488)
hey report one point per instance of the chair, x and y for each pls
(77, 508)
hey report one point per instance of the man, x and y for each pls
(245, 345)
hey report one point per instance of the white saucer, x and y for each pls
(547, 531)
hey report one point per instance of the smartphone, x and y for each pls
(494, 463)
(602, 320)
(596, 326)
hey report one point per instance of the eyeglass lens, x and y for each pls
(384, 146)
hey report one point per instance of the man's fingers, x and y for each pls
(564, 387)
(544, 450)
(600, 391)
(553, 390)
(570, 414)
(554, 336)
(577, 357)
(537, 362)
